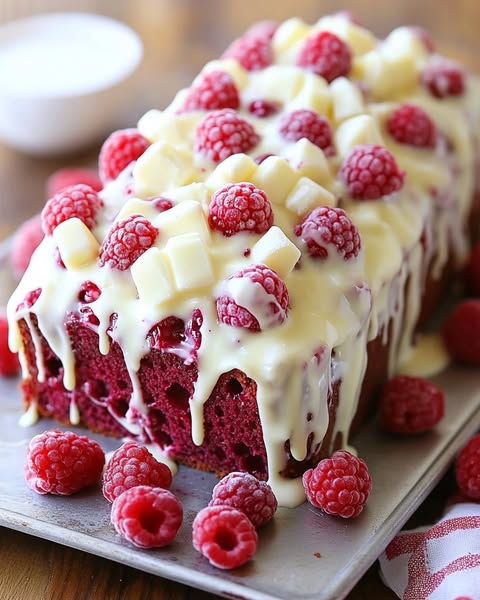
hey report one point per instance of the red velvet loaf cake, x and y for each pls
(262, 252)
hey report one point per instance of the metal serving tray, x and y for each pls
(302, 553)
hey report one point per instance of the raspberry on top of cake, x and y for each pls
(295, 198)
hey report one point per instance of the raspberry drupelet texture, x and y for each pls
(253, 51)
(339, 485)
(246, 493)
(215, 90)
(25, 241)
(327, 228)
(410, 124)
(472, 270)
(262, 290)
(131, 465)
(444, 78)
(325, 54)
(63, 178)
(306, 123)
(240, 207)
(467, 469)
(222, 133)
(9, 364)
(62, 462)
(370, 172)
(263, 108)
(120, 149)
(148, 517)
(410, 405)
(461, 332)
(80, 201)
(225, 536)
(126, 241)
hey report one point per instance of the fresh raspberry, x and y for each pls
(25, 241)
(126, 241)
(168, 333)
(64, 178)
(467, 468)
(148, 517)
(214, 90)
(240, 207)
(444, 78)
(339, 485)
(461, 332)
(305, 123)
(410, 124)
(222, 133)
(246, 493)
(89, 292)
(267, 295)
(132, 465)
(327, 228)
(263, 108)
(253, 52)
(79, 201)
(410, 405)
(225, 536)
(9, 364)
(62, 462)
(120, 149)
(370, 172)
(325, 54)
(472, 270)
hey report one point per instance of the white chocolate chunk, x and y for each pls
(347, 99)
(359, 39)
(306, 195)
(161, 167)
(77, 245)
(309, 160)
(314, 94)
(235, 168)
(289, 33)
(179, 129)
(275, 250)
(185, 217)
(135, 206)
(362, 129)
(276, 178)
(152, 277)
(280, 83)
(230, 66)
(190, 261)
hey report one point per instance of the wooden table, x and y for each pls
(179, 37)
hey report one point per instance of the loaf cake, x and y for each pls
(237, 294)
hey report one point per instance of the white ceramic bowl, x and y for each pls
(64, 79)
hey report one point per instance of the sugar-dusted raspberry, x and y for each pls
(461, 332)
(472, 270)
(266, 296)
(130, 465)
(216, 89)
(120, 149)
(62, 462)
(263, 29)
(246, 493)
(370, 172)
(9, 364)
(339, 485)
(410, 124)
(148, 517)
(467, 468)
(89, 292)
(222, 133)
(327, 228)
(263, 108)
(410, 405)
(444, 78)
(80, 201)
(253, 52)
(63, 178)
(25, 241)
(325, 54)
(161, 203)
(306, 123)
(240, 207)
(126, 241)
(225, 536)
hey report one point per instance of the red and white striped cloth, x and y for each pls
(441, 562)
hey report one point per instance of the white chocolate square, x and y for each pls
(190, 261)
(185, 217)
(234, 169)
(306, 195)
(347, 99)
(77, 245)
(152, 277)
(135, 206)
(309, 160)
(276, 178)
(275, 250)
(362, 129)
